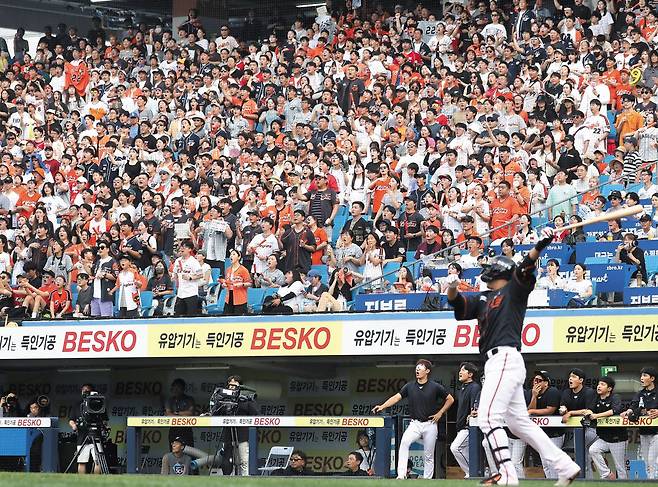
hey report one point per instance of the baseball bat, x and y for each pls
(614, 215)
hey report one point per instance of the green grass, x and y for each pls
(71, 480)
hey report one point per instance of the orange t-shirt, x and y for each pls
(320, 237)
(241, 275)
(29, 201)
(249, 107)
(62, 300)
(501, 213)
(381, 186)
(525, 193)
(508, 170)
(284, 215)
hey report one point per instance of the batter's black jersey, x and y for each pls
(425, 399)
(499, 313)
(575, 401)
(468, 396)
(601, 405)
(643, 401)
(550, 398)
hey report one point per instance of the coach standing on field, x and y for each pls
(428, 402)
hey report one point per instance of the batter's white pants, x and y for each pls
(502, 401)
(549, 472)
(426, 431)
(649, 449)
(618, 452)
(459, 448)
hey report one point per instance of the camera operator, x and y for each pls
(9, 406)
(180, 404)
(82, 427)
(645, 403)
(246, 406)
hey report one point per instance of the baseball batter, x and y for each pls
(500, 313)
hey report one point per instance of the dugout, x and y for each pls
(317, 365)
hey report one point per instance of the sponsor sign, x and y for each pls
(25, 422)
(258, 421)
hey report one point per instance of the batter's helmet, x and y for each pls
(499, 267)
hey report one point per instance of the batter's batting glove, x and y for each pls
(547, 238)
(452, 280)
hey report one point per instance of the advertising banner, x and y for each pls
(382, 334)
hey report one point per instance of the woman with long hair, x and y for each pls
(525, 235)
(404, 282)
(372, 259)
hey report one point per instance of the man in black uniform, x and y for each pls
(545, 401)
(428, 402)
(468, 396)
(645, 403)
(500, 313)
(611, 440)
(574, 401)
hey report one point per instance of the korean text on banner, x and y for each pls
(621, 333)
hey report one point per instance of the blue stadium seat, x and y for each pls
(147, 308)
(634, 187)
(215, 272)
(392, 268)
(217, 308)
(339, 223)
(651, 261)
(596, 260)
(609, 188)
(255, 297)
(604, 178)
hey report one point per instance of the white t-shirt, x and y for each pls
(296, 303)
(579, 287)
(263, 248)
(182, 269)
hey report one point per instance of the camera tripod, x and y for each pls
(93, 438)
(227, 449)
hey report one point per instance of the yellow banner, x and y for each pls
(257, 421)
(615, 333)
(618, 421)
(246, 339)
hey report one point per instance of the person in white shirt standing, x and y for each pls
(186, 272)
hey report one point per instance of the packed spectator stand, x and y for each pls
(149, 172)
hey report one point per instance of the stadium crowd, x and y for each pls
(151, 160)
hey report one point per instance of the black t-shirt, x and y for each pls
(425, 400)
(361, 229)
(410, 223)
(645, 400)
(550, 398)
(355, 473)
(394, 251)
(599, 405)
(499, 313)
(575, 401)
(467, 397)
